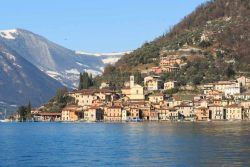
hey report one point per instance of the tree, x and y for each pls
(80, 82)
(28, 114)
(138, 77)
(22, 110)
(85, 81)
(230, 71)
(24, 113)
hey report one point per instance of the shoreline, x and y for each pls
(124, 122)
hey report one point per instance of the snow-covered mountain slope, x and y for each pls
(21, 81)
(106, 58)
(54, 60)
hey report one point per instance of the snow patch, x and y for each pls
(102, 54)
(12, 58)
(52, 74)
(72, 71)
(110, 60)
(101, 68)
(80, 64)
(93, 72)
(8, 34)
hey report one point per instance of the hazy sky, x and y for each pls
(95, 25)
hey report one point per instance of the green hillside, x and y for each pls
(215, 37)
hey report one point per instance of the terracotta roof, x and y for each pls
(71, 108)
(93, 107)
(114, 107)
(215, 93)
(233, 106)
(177, 98)
(172, 109)
(213, 105)
(50, 114)
(183, 105)
(91, 91)
(201, 108)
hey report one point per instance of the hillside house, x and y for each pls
(152, 83)
(156, 98)
(243, 81)
(170, 85)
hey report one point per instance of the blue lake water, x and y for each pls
(133, 144)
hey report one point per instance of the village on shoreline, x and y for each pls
(219, 101)
(154, 101)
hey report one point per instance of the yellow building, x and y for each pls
(234, 112)
(113, 114)
(170, 85)
(163, 114)
(87, 97)
(70, 113)
(170, 60)
(156, 98)
(186, 111)
(202, 113)
(84, 97)
(152, 83)
(93, 114)
(134, 114)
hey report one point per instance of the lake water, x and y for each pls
(132, 144)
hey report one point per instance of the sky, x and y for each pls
(96, 25)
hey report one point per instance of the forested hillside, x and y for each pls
(215, 36)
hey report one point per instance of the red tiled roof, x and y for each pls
(50, 114)
(233, 106)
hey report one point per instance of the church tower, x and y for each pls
(132, 81)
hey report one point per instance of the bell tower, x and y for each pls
(132, 81)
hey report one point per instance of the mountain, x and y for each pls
(21, 81)
(106, 58)
(56, 61)
(32, 68)
(213, 40)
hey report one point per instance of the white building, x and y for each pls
(124, 115)
(243, 81)
(232, 89)
(217, 112)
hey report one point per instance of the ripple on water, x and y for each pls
(143, 144)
